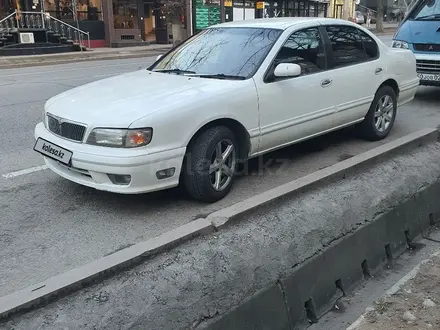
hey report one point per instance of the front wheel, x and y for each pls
(381, 116)
(211, 164)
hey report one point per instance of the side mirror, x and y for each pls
(158, 57)
(287, 70)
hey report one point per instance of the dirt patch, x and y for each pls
(415, 306)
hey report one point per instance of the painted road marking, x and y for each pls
(25, 171)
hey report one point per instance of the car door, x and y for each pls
(292, 109)
(357, 71)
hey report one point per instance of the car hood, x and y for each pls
(424, 32)
(119, 101)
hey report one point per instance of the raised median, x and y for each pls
(277, 259)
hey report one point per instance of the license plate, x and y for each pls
(53, 151)
(429, 77)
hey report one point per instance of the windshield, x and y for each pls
(427, 10)
(220, 53)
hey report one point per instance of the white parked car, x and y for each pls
(232, 92)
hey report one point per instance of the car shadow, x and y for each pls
(428, 95)
(177, 196)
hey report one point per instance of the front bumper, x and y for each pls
(91, 165)
(428, 68)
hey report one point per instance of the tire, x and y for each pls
(379, 122)
(202, 155)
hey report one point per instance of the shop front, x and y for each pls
(133, 22)
(207, 12)
(295, 8)
(83, 14)
(113, 23)
(337, 8)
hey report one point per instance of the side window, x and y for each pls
(347, 45)
(370, 46)
(305, 48)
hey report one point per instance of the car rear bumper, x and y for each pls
(96, 170)
(408, 91)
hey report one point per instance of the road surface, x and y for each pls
(49, 225)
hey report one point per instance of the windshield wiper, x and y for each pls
(219, 76)
(178, 71)
(428, 17)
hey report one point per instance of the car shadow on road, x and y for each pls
(288, 155)
(428, 95)
(259, 166)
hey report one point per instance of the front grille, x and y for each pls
(427, 47)
(67, 130)
(428, 66)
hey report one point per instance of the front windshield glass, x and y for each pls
(427, 10)
(221, 52)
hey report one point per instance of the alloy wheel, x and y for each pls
(223, 163)
(383, 116)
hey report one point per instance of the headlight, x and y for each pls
(120, 138)
(400, 44)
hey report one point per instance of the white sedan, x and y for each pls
(232, 92)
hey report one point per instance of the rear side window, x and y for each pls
(350, 46)
(370, 46)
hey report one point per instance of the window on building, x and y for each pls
(347, 45)
(86, 10)
(305, 48)
(125, 14)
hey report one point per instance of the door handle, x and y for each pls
(378, 70)
(326, 82)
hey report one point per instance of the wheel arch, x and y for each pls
(391, 83)
(235, 126)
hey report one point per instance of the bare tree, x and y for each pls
(175, 9)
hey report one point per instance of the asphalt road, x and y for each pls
(49, 225)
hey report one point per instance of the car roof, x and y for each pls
(280, 22)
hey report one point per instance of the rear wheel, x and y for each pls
(381, 116)
(211, 164)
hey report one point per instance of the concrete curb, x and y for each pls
(60, 285)
(339, 171)
(313, 286)
(396, 287)
(74, 58)
(42, 293)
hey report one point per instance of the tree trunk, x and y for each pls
(177, 31)
(379, 18)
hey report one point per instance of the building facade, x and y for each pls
(207, 12)
(117, 23)
(111, 23)
(336, 8)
